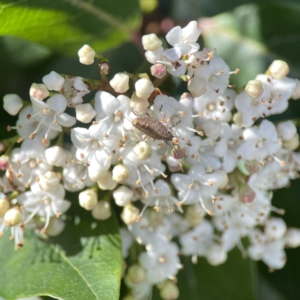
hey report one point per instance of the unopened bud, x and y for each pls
(278, 69)
(123, 195)
(4, 162)
(12, 103)
(169, 291)
(195, 214)
(292, 237)
(106, 182)
(291, 144)
(120, 173)
(142, 150)
(225, 178)
(49, 181)
(53, 81)
(138, 104)
(104, 68)
(85, 113)
(56, 156)
(254, 88)
(86, 55)
(158, 70)
(151, 42)
(102, 210)
(275, 228)
(144, 88)
(130, 214)
(4, 205)
(197, 86)
(88, 199)
(38, 91)
(238, 119)
(13, 217)
(135, 275)
(296, 94)
(286, 130)
(55, 227)
(216, 255)
(120, 82)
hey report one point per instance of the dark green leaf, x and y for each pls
(67, 25)
(82, 263)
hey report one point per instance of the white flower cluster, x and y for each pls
(200, 173)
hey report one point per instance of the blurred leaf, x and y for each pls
(241, 38)
(84, 262)
(267, 291)
(233, 280)
(67, 25)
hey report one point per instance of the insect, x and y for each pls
(157, 130)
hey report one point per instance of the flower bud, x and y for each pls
(291, 144)
(238, 119)
(292, 237)
(151, 42)
(144, 88)
(104, 68)
(4, 162)
(85, 113)
(53, 81)
(195, 214)
(130, 214)
(286, 130)
(216, 255)
(49, 181)
(197, 86)
(120, 82)
(102, 210)
(224, 180)
(120, 173)
(88, 199)
(275, 228)
(138, 104)
(95, 175)
(13, 217)
(169, 291)
(135, 275)
(106, 182)
(212, 128)
(296, 94)
(142, 150)
(278, 69)
(86, 55)
(123, 195)
(55, 227)
(4, 205)
(38, 91)
(158, 70)
(56, 156)
(254, 88)
(12, 103)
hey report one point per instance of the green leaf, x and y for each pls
(67, 25)
(240, 38)
(233, 280)
(84, 262)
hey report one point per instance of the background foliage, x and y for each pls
(38, 36)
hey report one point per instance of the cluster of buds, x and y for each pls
(186, 168)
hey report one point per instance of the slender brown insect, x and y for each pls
(154, 129)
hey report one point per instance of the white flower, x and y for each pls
(144, 88)
(260, 142)
(160, 261)
(94, 147)
(123, 195)
(185, 38)
(44, 204)
(113, 112)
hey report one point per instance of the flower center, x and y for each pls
(211, 106)
(32, 163)
(118, 116)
